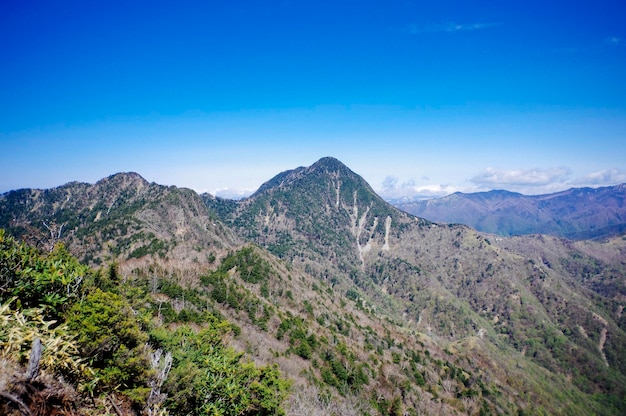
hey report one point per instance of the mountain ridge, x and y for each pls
(419, 263)
(351, 296)
(576, 213)
(118, 212)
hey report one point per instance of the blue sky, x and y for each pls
(418, 97)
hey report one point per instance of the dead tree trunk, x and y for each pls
(33, 363)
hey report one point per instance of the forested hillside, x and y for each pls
(312, 296)
(106, 347)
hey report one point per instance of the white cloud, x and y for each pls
(544, 181)
(228, 193)
(392, 189)
(449, 27)
(604, 177)
(389, 184)
(535, 181)
(525, 181)
(512, 178)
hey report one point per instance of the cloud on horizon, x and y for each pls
(392, 189)
(544, 181)
(601, 178)
(515, 178)
(228, 193)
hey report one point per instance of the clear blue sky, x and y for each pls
(418, 97)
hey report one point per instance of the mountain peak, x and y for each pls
(123, 180)
(326, 205)
(335, 169)
(126, 177)
(325, 168)
(329, 162)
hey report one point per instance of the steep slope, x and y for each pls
(324, 212)
(354, 299)
(578, 213)
(448, 283)
(117, 218)
(332, 346)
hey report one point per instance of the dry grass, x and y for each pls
(44, 395)
(310, 401)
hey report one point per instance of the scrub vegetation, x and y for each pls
(313, 296)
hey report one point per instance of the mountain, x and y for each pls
(316, 214)
(368, 309)
(578, 213)
(119, 217)
(445, 281)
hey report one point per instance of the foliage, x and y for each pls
(108, 333)
(101, 343)
(251, 267)
(60, 355)
(212, 379)
(225, 290)
(154, 247)
(48, 281)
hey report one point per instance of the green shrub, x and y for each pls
(50, 281)
(209, 378)
(109, 335)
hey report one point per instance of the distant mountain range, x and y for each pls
(578, 213)
(365, 306)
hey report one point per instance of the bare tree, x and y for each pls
(55, 231)
(161, 364)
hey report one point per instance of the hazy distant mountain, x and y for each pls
(357, 300)
(578, 213)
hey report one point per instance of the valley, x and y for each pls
(347, 304)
